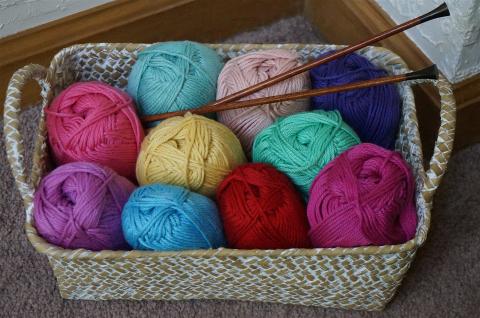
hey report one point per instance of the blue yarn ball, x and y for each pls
(374, 112)
(169, 218)
(171, 76)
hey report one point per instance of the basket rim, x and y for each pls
(54, 251)
(44, 247)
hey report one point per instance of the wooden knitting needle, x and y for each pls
(430, 72)
(440, 11)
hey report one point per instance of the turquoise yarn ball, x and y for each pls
(301, 145)
(163, 217)
(171, 76)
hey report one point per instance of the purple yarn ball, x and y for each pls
(374, 112)
(79, 205)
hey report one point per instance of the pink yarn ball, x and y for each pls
(95, 122)
(79, 205)
(365, 196)
(249, 69)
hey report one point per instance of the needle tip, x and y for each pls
(430, 72)
(438, 12)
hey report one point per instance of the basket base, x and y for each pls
(298, 280)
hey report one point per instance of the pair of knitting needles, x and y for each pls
(230, 102)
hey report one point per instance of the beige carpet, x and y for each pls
(443, 282)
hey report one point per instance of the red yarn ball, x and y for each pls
(95, 122)
(365, 196)
(261, 209)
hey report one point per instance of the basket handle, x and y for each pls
(442, 150)
(13, 138)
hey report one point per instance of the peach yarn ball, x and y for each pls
(252, 68)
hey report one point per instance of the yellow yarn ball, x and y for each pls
(191, 151)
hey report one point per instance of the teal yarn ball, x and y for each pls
(171, 76)
(301, 145)
(164, 217)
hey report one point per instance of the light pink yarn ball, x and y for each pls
(249, 69)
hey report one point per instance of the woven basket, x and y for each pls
(351, 278)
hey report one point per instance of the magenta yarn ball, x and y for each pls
(365, 196)
(95, 122)
(79, 205)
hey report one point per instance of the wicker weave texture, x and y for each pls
(320, 280)
(354, 278)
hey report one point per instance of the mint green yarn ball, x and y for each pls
(301, 145)
(171, 76)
